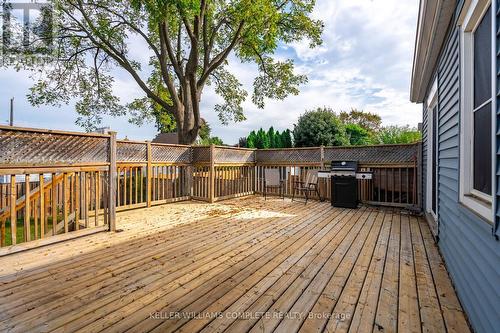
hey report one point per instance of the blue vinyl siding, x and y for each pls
(471, 253)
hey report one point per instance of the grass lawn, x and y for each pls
(20, 231)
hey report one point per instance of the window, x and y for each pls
(477, 106)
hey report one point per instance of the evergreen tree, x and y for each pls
(262, 139)
(271, 137)
(287, 139)
(268, 139)
(258, 143)
(242, 142)
(278, 142)
(252, 140)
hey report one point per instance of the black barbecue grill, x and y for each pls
(344, 185)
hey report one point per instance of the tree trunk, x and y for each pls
(188, 119)
(187, 125)
(187, 137)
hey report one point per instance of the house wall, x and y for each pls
(471, 252)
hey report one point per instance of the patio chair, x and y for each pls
(272, 180)
(308, 186)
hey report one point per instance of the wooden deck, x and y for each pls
(239, 265)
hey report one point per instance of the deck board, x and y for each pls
(237, 266)
(366, 305)
(408, 313)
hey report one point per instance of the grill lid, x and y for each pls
(344, 166)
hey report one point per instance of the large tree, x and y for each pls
(187, 42)
(358, 135)
(398, 135)
(369, 121)
(320, 127)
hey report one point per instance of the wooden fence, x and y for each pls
(78, 181)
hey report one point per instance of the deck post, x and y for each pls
(53, 205)
(27, 209)
(189, 175)
(149, 173)
(322, 157)
(112, 188)
(418, 171)
(13, 215)
(41, 186)
(255, 169)
(211, 190)
(415, 181)
(65, 198)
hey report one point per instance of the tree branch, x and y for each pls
(131, 25)
(166, 45)
(166, 51)
(113, 52)
(179, 45)
(221, 57)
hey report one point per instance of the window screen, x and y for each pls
(482, 61)
(481, 111)
(482, 149)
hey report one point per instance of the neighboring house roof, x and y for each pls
(103, 130)
(170, 138)
(434, 17)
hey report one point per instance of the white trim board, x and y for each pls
(432, 107)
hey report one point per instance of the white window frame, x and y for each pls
(432, 103)
(471, 17)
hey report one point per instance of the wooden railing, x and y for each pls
(234, 181)
(150, 174)
(131, 188)
(74, 181)
(62, 192)
(392, 185)
(221, 173)
(59, 203)
(395, 171)
(289, 174)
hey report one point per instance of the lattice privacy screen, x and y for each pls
(289, 156)
(201, 154)
(41, 147)
(233, 155)
(131, 151)
(170, 154)
(373, 155)
(46, 148)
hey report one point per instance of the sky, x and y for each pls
(365, 62)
